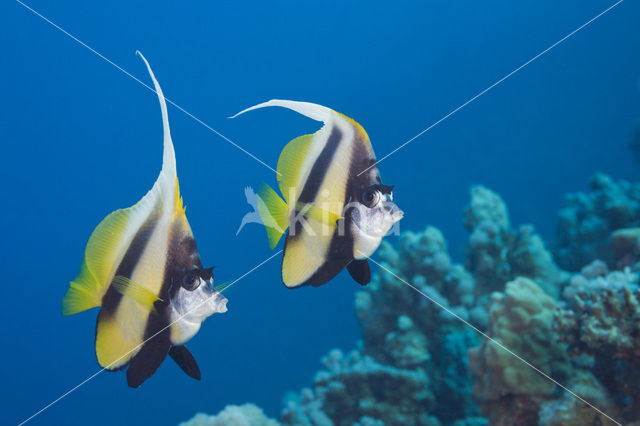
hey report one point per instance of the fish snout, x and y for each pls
(397, 214)
(394, 211)
(221, 302)
(216, 299)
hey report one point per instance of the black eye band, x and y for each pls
(385, 189)
(206, 273)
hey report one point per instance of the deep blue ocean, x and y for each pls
(79, 139)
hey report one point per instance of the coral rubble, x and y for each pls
(425, 359)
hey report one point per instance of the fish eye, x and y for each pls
(190, 280)
(371, 197)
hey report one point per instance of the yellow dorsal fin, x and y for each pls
(358, 128)
(274, 213)
(129, 288)
(178, 207)
(289, 164)
(86, 291)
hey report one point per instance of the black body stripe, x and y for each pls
(320, 167)
(112, 297)
(182, 256)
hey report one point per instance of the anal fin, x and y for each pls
(148, 360)
(186, 361)
(360, 271)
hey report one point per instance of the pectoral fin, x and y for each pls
(318, 213)
(186, 361)
(128, 288)
(360, 271)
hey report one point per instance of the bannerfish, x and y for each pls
(335, 206)
(142, 267)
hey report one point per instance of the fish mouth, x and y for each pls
(222, 303)
(396, 214)
(218, 302)
(215, 299)
(394, 211)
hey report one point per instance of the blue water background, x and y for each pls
(80, 139)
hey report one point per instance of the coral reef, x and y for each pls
(358, 390)
(567, 410)
(425, 359)
(520, 323)
(404, 329)
(233, 415)
(587, 220)
(497, 253)
(601, 325)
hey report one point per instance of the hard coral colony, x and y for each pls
(576, 320)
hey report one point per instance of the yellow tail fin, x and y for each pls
(274, 213)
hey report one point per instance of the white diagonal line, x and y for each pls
(503, 347)
(64, 395)
(100, 55)
(493, 85)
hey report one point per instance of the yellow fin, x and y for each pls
(274, 214)
(86, 291)
(318, 213)
(113, 350)
(128, 288)
(304, 255)
(290, 162)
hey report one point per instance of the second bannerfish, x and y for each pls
(335, 205)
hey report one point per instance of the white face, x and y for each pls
(198, 304)
(373, 216)
(191, 304)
